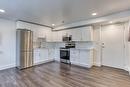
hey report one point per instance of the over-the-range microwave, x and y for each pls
(67, 39)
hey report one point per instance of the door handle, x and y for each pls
(103, 45)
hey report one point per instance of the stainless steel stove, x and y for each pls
(65, 52)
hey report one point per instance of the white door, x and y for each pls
(112, 37)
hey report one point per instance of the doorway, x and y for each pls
(112, 38)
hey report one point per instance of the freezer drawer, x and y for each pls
(25, 60)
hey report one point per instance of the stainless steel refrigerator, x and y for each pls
(24, 48)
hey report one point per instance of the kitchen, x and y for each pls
(47, 44)
(61, 43)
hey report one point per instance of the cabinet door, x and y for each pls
(48, 35)
(57, 55)
(85, 58)
(54, 36)
(44, 54)
(76, 34)
(36, 56)
(64, 33)
(34, 35)
(38, 33)
(69, 32)
(74, 57)
(51, 53)
(41, 33)
(57, 36)
(87, 34)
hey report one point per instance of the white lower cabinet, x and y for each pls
(51, 53)
(86, 58)
(57, 54)
(43, 55)
(77, 56)
(74, 56)
(81, 57)
(36, 56)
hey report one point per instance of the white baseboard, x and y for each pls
(7, 66)
(58, 60)
(127, 68)
(14, 65)
(82, 65)
(42, 62)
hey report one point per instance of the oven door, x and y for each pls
(65, 54)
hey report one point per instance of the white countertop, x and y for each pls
(81, 48)
(70, 48)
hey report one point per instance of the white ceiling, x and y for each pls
(55, 11)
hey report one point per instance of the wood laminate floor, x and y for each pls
(61, 75)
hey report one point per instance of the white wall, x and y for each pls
(7, 44)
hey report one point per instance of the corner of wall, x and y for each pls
(127, 68)
(97, 64)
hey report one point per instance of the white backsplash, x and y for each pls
(79, 45)
(58, 45)
(84, 45)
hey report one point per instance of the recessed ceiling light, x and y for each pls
(2, 11)
(53, 24)
(111, 22)
(94, 14)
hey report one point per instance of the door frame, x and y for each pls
(124, 42)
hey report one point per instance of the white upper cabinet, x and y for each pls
(87, 33)
(41, 33)
(76, 34)
(57, 36)
(48, 35)
(80, 34)
(68, 32)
